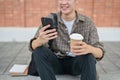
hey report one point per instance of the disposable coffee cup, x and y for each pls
(75, 37)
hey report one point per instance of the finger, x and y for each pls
(76, 47)
(79, 54)
(50, 31)
(52, 34)
(44, 28)
(82, 43)
(44, 35)
(79, 51)
(53, 37)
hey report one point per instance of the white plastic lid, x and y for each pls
(76, 36)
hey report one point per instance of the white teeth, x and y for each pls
(64, 7)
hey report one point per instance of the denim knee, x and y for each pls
(42, 52)
(89, 58)
(38, 52)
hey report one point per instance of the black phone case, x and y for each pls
(45, 21)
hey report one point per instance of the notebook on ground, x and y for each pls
(19, 70)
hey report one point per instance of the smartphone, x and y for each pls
(45, 21)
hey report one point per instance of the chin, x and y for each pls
(65, 12)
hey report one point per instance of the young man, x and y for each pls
(46, 62)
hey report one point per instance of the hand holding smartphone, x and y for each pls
(47, 35)
(51, 33)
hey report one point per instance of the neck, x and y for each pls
(69, 17)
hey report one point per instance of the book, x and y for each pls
(19, 70)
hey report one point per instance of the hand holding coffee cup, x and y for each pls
(77, 46)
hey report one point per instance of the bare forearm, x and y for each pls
(36, 43)
(97, 52)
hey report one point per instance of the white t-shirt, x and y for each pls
(69, 25)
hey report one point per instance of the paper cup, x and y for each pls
(75, 37)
